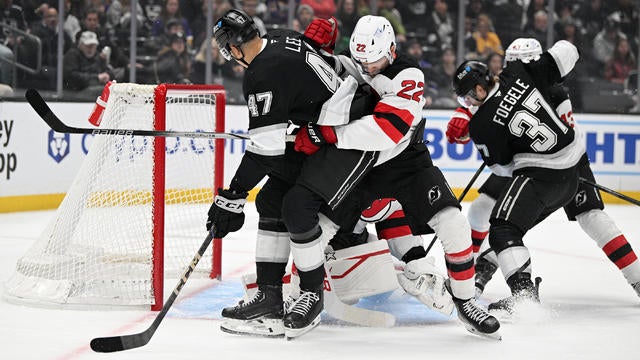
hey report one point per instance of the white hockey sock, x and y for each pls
(601, 228)
(454, 233)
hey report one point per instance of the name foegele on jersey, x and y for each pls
(515, 92)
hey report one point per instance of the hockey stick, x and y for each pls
(612, 192)
(461, 197)
(44, 111)
(126, 342)
(352, 314)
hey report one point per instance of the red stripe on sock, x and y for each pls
(461, 256)
(615, 244)
(479, 234)
(626, 260)
(394, 232)
(463, 275)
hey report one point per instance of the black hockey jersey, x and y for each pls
(287, 81)
(517, 129)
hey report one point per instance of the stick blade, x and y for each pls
(118, 343)
(44, 111)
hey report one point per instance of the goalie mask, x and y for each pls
(469, 74)
(372, 39)
(523, 49)
(234, 28)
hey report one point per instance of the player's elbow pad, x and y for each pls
(566, 55)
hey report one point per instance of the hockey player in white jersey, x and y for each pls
(396, 164)
(586, 207)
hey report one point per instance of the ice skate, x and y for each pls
(525, 292)
(474, 318)
(304, 314)
(484, 272)
(261, 316)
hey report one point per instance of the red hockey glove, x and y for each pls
(311, 137)
(458, 127)
(323, 33)
(96, 115)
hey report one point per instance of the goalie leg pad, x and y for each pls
(421, 279)
(362, 271)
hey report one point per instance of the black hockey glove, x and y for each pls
(226, 213)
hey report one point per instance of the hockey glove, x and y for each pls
(226, 213)
(323, 33)
(458, 127)
(311, 137)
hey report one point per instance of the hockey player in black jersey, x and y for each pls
(285, 80)
(400, 168)
(519, 134)
(586, 206)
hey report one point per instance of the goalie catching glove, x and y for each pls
(323, 33)
(309, 138)
(226, 214)
(458, 127)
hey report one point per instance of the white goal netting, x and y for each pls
(130, 194)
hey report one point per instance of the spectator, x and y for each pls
(347, 15)
(538, 29)
(277, 13)
(250, 7)
(47, 31)
(487, 41)
(511, 28)
(170, 10)
(441, 28)
(469, 41)
(119, 16)
(113, 54)
(304, 16)
(173, 64)
(84, 69)
(440, 80)
(414, 13)
(387, 9)
(71, 23)
(495, 62)
(227, 73)
(100, 6)
(534, 7)
(622, 62)
(11, 15)
(605, 41)
(321, 8)
(475, 8)
(414, 50)
(592, 17)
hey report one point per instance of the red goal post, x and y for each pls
(137, 209)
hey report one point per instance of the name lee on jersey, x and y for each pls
(509, 100)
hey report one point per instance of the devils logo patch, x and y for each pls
(434, 194)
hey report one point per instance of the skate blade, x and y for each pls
(273, 328)
(494, 336)
(291, 334)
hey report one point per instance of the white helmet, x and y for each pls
(372, 39)
(523, 49)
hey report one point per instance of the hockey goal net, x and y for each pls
(137, 209)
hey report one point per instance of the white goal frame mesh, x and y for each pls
(137, 209)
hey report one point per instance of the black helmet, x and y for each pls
(469, 74)
(235, 28)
